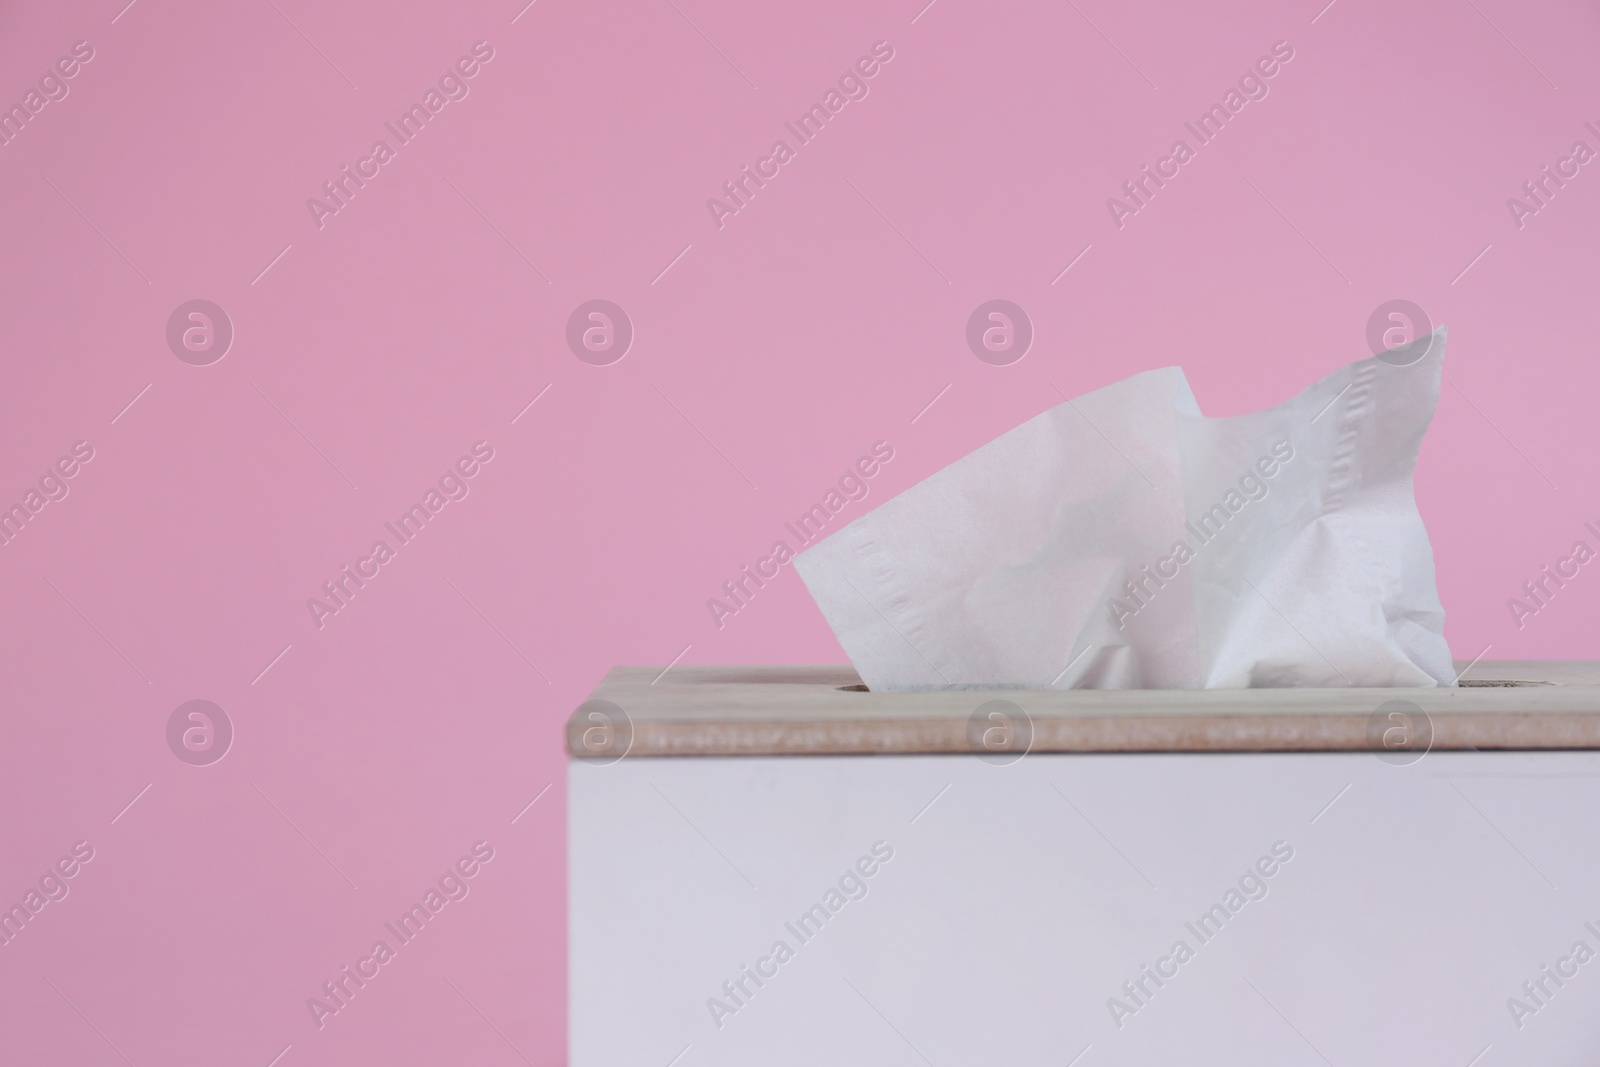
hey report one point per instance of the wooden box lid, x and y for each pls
(824, 710)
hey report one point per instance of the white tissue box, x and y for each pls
(1088, 877)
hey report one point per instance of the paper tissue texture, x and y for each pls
(1123, 540)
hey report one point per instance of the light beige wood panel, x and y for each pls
(821, 710)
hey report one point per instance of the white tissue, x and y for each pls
(1122, 540)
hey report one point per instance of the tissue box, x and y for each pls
(1094, 877)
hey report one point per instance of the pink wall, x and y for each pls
(775, 350)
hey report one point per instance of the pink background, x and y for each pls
(823, 317)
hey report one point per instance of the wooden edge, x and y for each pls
(795, 711)
(1252, 733)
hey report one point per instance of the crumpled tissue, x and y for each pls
(1123, 540)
